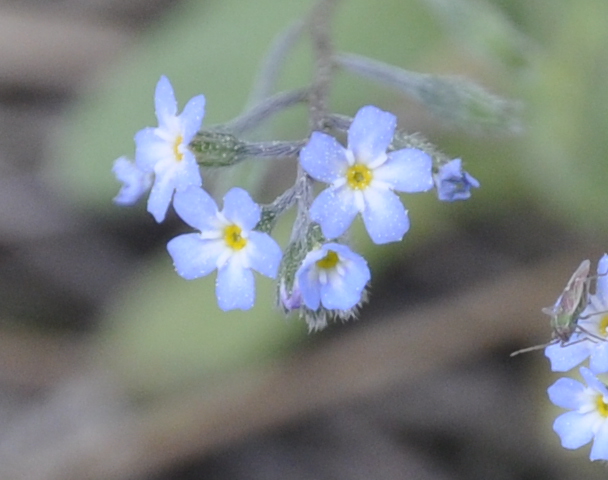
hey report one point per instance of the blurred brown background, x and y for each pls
(112, 367)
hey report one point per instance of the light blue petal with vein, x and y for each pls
(323, 158)
(384, 216)
(265, 255)
(334, 210)
(408, 170)
(164, 102)
(239, 208)
(194, 257)
(235, 287)
(196, 207)
(371, 133)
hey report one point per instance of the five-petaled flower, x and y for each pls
(226, 242)
(362, 177)
(588, 419)
(453, 183)
(135, 181)
(333, 276)
(164, 150)
(591, 339)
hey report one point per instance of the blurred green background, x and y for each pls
(550, 55)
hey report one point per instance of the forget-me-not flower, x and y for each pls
(591, 340)
(164, 151)
(135, 181)
(226, 241)
(588, 420)
(362, 177)
(453, 183)
(333, 276)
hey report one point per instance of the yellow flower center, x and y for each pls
(178, 155)
(603, 326)
(359, 176)
(233, 238)
(328, 261)
(601, 405)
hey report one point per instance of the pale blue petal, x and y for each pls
(593, 381)
(160, 195)
(264, 254)
(599, 450)
(188, 173)
(196, 208)
(334, 210)
(344, 292)
(308, 280)
(239, 208)
(323, 158)
(164, 102)
(235, 287)
(194, 257)
(566, 393)
(408, 170)
(371, 133)
(192, 117)
(453, 183)
(602, 280)
(567, 357)
(574, 429)
(135, 181)
(384, 216)
(147, 148)
(598, 362)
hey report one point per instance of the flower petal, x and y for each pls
(147, 147)
(408, 170)
(567, 357)
(194, 257)
(599, 450)
(265, 254)
(160, 195)
(187, 173)
(239, 208)
(574, 429)
(196, 207)
(323, 158)
(384, 216)
(602, 280)
(371, 133)
(135, 181)
(192, 117)
(598, 363)
(164, 102)
(566, 393)
(235, 287)
(335, 210)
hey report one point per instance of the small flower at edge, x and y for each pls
(226, 242)
(588, 419)
(135, 181)
(363, 176)
(164, 150)
(332, 276)
(453, 183)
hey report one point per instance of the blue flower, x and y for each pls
(226, 242)
(164, 150)
(363, 176)
(333, 276)
(453, 183)
(591, 340)
(135, 181)
(588, 420)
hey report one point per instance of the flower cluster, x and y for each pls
(318, 276)
(582, 319)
